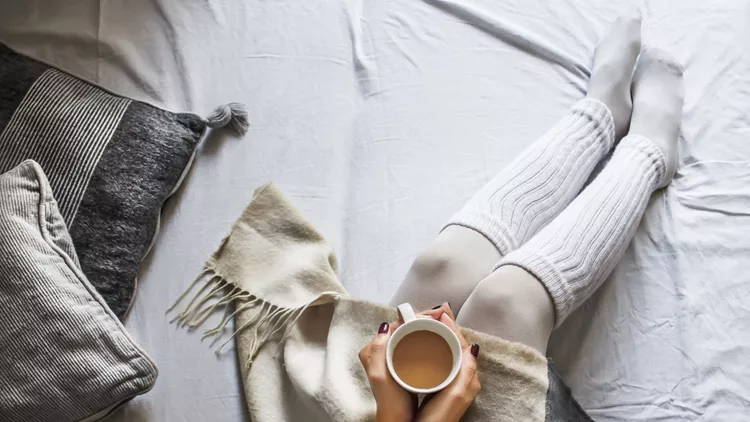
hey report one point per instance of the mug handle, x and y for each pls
(406, 312)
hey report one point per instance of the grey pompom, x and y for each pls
(232, 115)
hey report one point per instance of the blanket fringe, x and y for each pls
(268, 322)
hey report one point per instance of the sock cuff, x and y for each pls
(599, 113)
(550, 277)
(489, 226)
(645, 150)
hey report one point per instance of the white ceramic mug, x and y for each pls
(412, 324)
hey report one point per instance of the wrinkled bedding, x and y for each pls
(380, 118)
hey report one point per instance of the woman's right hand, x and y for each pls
(450, 404)
(393, 403)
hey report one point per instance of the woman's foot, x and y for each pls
(612, 74)
(658, 94)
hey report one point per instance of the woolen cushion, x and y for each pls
(64, 356)
(111, 161)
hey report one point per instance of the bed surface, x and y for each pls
(380, 118)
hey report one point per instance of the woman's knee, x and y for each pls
(448, 269)
(433, 263)
(494, 298)
(457, 253)
(509, 297)
(437, 275)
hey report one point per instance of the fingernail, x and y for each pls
(437, 307)
(384, 328)
(475, 350)
(449, 305)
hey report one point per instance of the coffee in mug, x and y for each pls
(423, 355)
(423, 359)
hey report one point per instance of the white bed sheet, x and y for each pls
(380, 118)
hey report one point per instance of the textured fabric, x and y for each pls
(111, 162)
(561, 406)
(64, 356)
(539, 183)
(575, 253)
(151, 149)
(299, 332)
(23, 73)
(64, 124)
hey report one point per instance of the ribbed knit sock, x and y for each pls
(578, 250)
(533, 189)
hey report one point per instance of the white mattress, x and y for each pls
(380, 118)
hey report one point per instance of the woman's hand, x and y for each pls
(394, 404)
(450, 404)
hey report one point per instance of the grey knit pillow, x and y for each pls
(64, 356)
(112, 162)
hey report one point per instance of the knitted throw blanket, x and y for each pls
(298, 332)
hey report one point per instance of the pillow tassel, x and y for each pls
(233, 115)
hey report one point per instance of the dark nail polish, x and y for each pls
(383, 328)
(437, 307)
(475, 350)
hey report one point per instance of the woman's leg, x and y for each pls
(535, 287)
(532, 189)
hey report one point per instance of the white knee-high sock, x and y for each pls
(536, 186)
(575, 253)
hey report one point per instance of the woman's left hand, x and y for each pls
(394, 404)
(450, 404)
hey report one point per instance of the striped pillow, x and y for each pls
(63, 355)
(112, 162)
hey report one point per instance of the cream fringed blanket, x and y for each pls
(298, 332)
